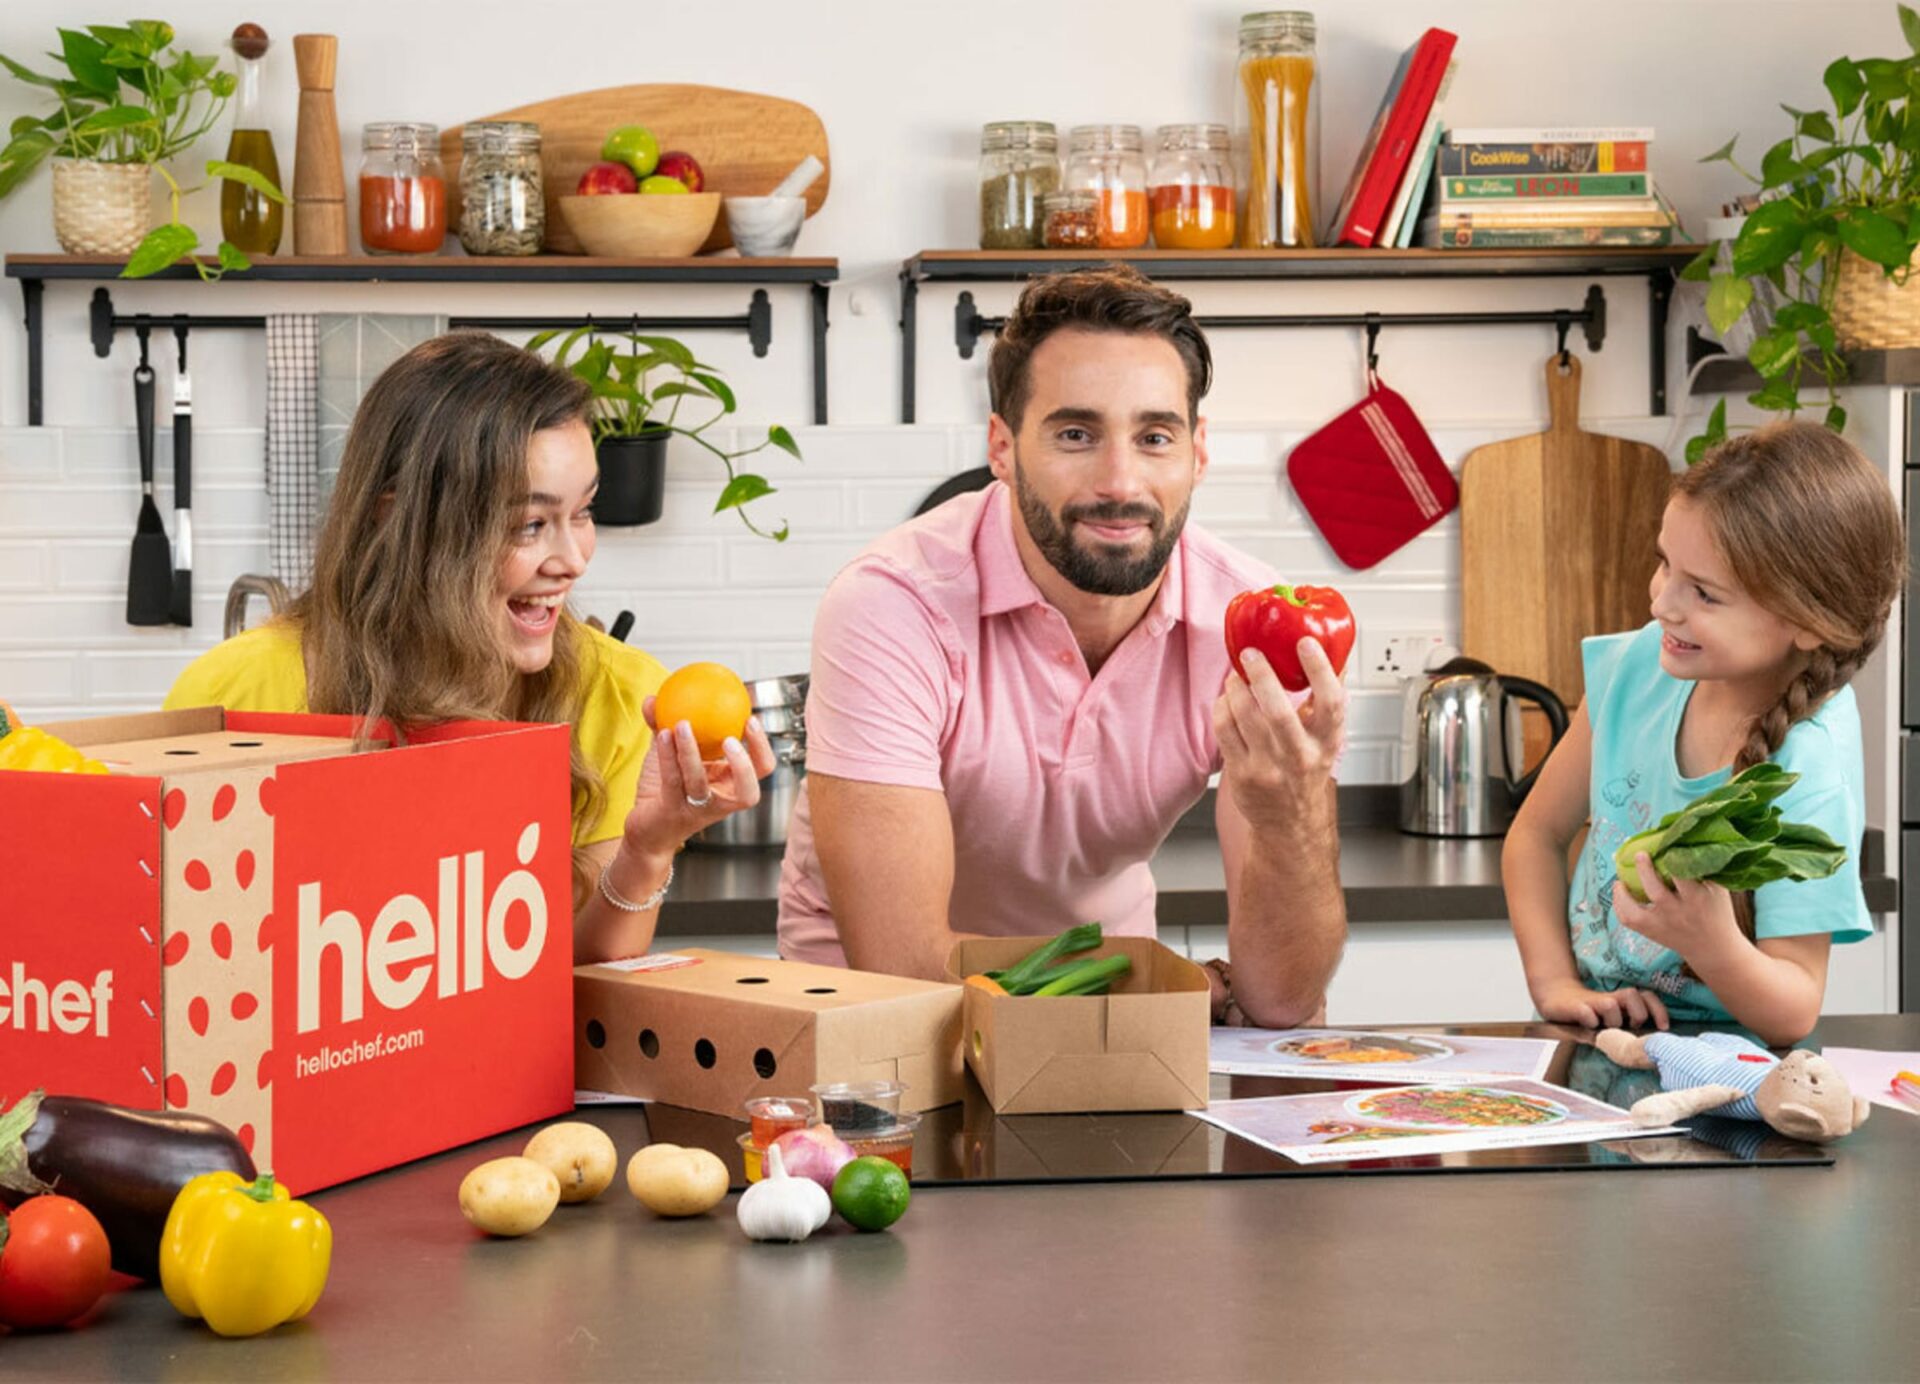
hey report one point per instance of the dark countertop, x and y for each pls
(1389, 877)
(1684, 1272)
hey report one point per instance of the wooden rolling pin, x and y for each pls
(319, 184)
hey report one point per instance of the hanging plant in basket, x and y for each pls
(1834, 233)
(638, 396)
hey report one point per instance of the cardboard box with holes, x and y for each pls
(351, 959)
(708, 1029)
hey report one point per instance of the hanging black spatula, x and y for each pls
(150, 567)
(180, 610)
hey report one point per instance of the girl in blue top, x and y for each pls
(1780, 555)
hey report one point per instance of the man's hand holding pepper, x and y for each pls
(1278, 758)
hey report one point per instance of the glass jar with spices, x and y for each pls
(1018, 166)
(1190, 191)
(1106, 161)
(1279, 118)
(1072, 220)
(503, 209)
(403, 189)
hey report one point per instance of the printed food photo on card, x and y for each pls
(1384, 1057)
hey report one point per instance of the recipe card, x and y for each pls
(1352, 1055)
(1408, 1121)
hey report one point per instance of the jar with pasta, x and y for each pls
(1278, 116)
(1106, 160)
(1190, 191)
(1019, 165)
(503, 209)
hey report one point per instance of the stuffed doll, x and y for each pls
(1801, 1095)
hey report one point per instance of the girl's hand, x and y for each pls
(679, 795)
(1569, 1002)
(1691, 918)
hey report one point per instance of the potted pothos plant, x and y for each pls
(128, 102)
(639, 392)
(1834, 234)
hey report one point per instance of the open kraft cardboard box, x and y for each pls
(709, 1029)
(1143, 1046)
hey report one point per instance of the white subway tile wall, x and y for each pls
(699, 584)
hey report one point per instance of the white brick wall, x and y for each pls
(699, 584)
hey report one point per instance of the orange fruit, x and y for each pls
(708, 696)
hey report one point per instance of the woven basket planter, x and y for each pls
(1870, 310)
(101, 208)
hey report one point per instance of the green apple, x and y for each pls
(662, 184)
(635, 146)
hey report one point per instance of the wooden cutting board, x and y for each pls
(1557, 536)
(745, 143)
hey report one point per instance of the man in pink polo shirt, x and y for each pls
(1015, 696)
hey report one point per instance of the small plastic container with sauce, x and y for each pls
(892, 1142)
(403, 189)
(858, 1107)
(1190, 193)
(771, 1116)
(753, 1157)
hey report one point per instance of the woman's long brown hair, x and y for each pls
(401, 622)
(1810, 530)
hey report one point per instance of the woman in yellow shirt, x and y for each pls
(461, 519)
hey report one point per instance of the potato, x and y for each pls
(674, 1181)
(509, 1196)
(580, 1155)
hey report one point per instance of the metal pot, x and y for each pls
(781, 705)
(1460, 746)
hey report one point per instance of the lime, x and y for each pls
(871, 1193)
(635, 146)
(660, 184)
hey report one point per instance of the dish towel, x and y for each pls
(293, 445)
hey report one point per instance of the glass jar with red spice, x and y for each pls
(403, 189)
(1106, 161)
(1190, 191)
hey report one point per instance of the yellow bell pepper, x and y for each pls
(26, 747)
(243, 1255)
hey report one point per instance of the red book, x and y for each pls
(1391, 143)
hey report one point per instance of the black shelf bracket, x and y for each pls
(1591, 317)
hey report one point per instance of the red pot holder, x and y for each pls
(1372, 478)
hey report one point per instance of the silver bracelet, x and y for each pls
(651, 901)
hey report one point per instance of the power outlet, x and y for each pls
(1391, 655)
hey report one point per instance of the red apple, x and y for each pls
(680, 165)
(604, 179)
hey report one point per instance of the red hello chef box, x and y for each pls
(352, 959)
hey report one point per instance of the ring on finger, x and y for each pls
(700, 801)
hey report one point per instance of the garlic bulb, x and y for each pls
(779, 1207)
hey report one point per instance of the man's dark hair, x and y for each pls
(1112, 298)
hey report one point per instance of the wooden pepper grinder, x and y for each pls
(319, 185)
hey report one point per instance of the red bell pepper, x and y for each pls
(1273, 620)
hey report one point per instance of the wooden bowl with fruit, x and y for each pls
(641, 225)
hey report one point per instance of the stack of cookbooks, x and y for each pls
(1528, 188)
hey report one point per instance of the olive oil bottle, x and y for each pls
(252, 222)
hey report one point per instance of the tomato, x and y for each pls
(54, 1262)
(1273, 620)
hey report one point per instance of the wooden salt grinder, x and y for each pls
(319, 185)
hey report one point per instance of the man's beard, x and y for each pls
(1101, 570)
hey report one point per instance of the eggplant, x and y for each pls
(126, 1166)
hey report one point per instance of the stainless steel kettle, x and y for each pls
(1459, 746)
